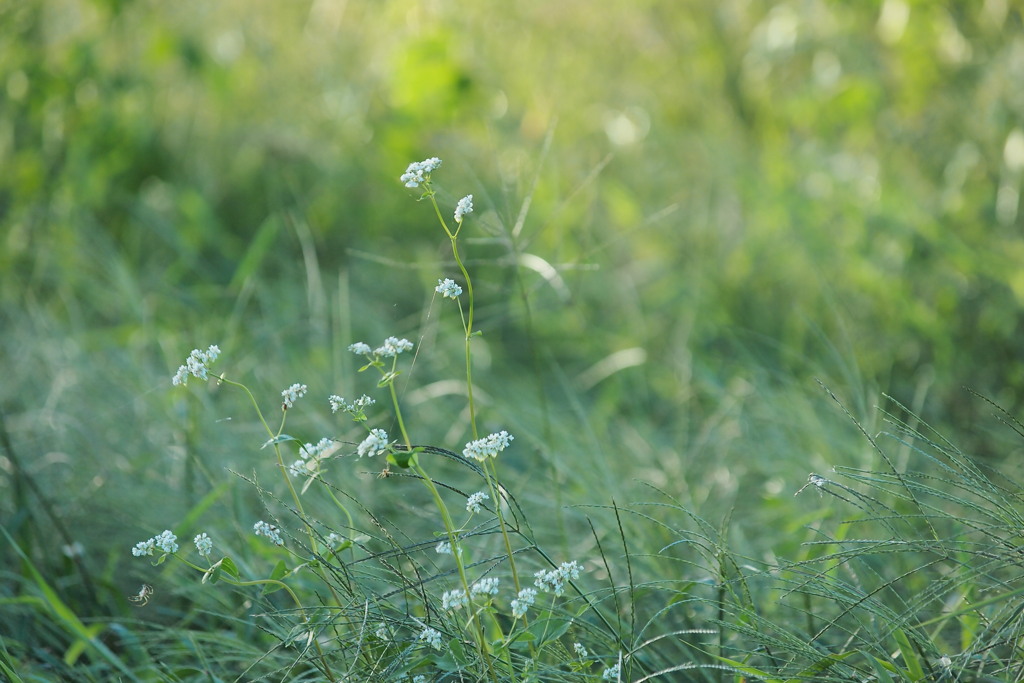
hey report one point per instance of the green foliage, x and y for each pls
(686, 212)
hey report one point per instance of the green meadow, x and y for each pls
(653, 340)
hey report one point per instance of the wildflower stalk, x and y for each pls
(490, 474)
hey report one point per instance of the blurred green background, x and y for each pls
(686, 212)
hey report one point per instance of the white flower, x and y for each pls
(261, 528)
(144, 548)
(580, 651)
(197, 364)
(443, 548)
(523, 601)
(293, 394)
(453, 600)
(611, 673)
(489, 446)
(166, 541)
(464, 206)
(488, 586)
(393, 346)
(556, 579)
(475, 502)
(419, 171)
(431, 636)
(376, 442)
(448, 287)
(360, 349)
(204, 544)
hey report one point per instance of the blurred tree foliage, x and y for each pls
(795, 182)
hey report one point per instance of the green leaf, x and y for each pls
(280, 438)
(909, 655)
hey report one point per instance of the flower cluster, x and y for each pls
(487, 586)
(262, 528)
(522, 602)
(197, 364)
(447, 287)
(419, 172)
(611, 673)
(357, 409)
(376, 442)
(475, 502)
(391, 347)
(464, 206)
(310, 457)
(165, 541)
(556, 579)
(293, 394)
(204, 544)
(488, 447)
(454, 599)
(431, 636)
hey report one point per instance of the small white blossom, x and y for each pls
(419, 171)
(611, 673)
(360, 349)
(488, 586)
(197, 364)
(144, 548)
(356, 408)
(382, 632)
(376, 442)
(293, 394)
(475, 502)
(489, 446)
(431, 636)
(443, 548)
(262, 528)
(522, 602)
(167, 542)
(393, 346)
(419, 678)
(556, 579)
(299, 468)
(453, 600)
(334, 540)
(464, 207)
(204, 544)
(580, 651)
(448, 287)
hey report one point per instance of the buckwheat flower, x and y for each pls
(475, 502)
(555, 580)
(293, 394)
(166, 541)
(419, 171)
(447, 287)
(376, 442)
(489, 446)
(261, 528)
(393, 346)
(382, 632)
(197, 364)
(360, 349)
(431, 636)
(522, 602)
(204, 544)
(464, 206)
(419, 678)
(488, 586)
(611, 673)
(443, 548)
(144, 548)
(453, 600)
(580, 651)
(299, 468)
